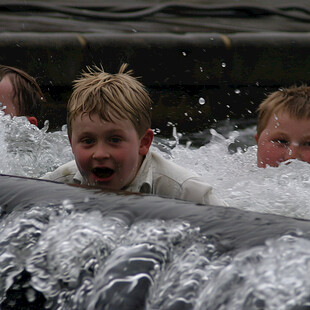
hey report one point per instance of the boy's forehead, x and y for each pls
(6, 86)
(97, 117)
(283, 118)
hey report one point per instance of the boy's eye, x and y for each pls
(115, 139)
(87, 140)
(281, 141)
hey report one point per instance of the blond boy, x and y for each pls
(283, 127)
(109, 128)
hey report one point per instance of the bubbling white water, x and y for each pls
(78, 259)
(26, 150)
(236, 178)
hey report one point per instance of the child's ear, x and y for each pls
(146, 142)
(256, 138)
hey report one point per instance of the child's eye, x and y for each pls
(115, 139)
(307, 143)
(87, 140)
(281, 141)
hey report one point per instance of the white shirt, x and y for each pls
(157, 176)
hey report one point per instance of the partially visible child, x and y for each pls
(109, 128)
(283, 127)
(20, 94)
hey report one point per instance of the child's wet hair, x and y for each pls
(110, 96)
(294, 100)
(27, 94)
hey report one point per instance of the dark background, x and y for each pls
(231, 54)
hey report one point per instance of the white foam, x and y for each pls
(26, 150)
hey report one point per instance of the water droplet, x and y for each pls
(184, 54)
(202, 101)
(223, 64)
(237, 91)
(257, 83)
(68, 205)
(188, 144)
(157, 131)
(31, 295)
(201, 70)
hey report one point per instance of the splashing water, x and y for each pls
(84, 260)
(237, 179)
(267, 277)
(29, 151)
(72, 255)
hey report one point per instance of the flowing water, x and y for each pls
(65, 247)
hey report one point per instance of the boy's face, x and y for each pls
(108, 154)
(283, 138)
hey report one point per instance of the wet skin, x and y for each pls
(108, 154)
(283, 138)
(6, 97)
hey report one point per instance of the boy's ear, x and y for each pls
(256, 138)
(146, 142)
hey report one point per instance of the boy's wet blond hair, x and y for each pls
(294, 100)
(110, 96)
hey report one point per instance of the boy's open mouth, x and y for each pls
(102, 173)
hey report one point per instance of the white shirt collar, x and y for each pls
(142, 183)
(78, 178)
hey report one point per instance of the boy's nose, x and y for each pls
(101, 153)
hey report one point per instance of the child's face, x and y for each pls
(6, 96)
(108, 154)
(283, 138)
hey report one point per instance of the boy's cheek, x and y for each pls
(269, 154)
(81, 158)
(305, 156)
